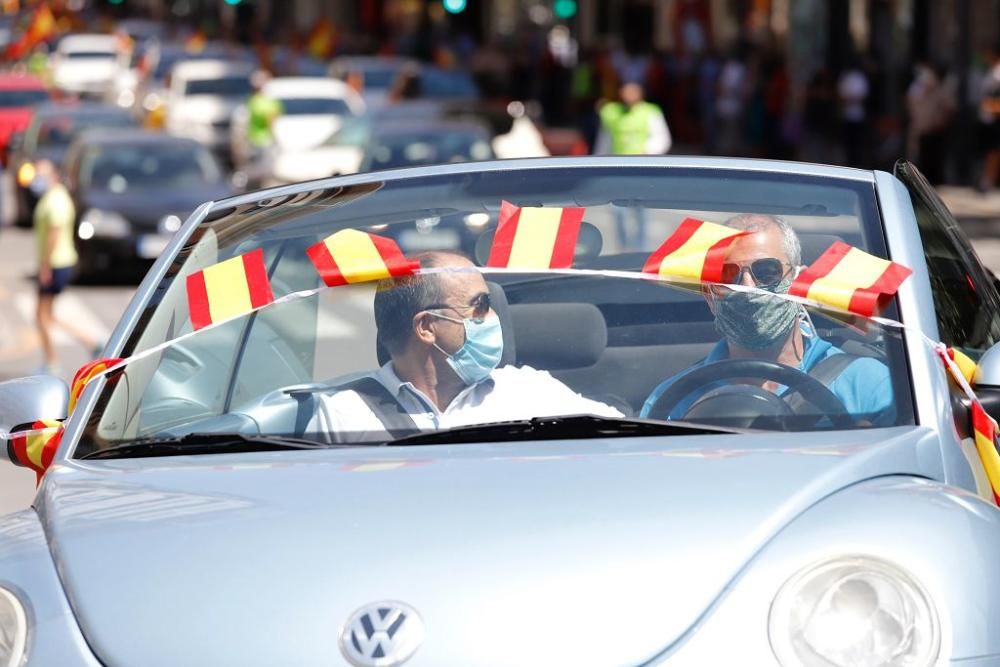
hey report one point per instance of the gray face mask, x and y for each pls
(756, 321)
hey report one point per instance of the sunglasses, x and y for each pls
(480, 306)
(766, 272)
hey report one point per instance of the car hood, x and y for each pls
(304, 131)
(203, 108)
(145, 208)
(506, 551)
(85, 70)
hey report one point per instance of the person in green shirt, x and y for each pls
(54, 221)
(632, 126)
(262, 110)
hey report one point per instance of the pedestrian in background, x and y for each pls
(54, 220)
(931, 101)
(632, 126)
(989, 120)
(852, 93)
(262, 111)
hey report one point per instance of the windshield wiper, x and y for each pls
(202, 443)
(558, 428)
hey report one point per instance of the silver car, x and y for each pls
(239, 494)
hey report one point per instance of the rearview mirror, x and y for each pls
(26, 400)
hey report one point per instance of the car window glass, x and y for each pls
(123, 168)
(964, 303)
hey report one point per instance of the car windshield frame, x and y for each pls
(299, 211)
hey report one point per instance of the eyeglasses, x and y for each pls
(480, 306)
(766, 272)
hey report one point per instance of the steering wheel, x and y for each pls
(699, 381)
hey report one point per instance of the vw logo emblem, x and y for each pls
(381, 634)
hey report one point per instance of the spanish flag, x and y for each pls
(228, 289)
(966, 366)
(353, 256)
(985, 433)
(695, 251)
(322, 36)
(85, 374)
(850, 279)
(535, 238)
(36, 445)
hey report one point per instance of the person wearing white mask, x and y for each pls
(445, 344)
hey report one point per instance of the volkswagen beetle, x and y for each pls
(520, 484)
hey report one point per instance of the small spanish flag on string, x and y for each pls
(85, 374)
(535, 238)
(695, 251)
(850, 279)
(985, 434)
(352, 256)
(227, 289)
(36, 445)
(966, 365)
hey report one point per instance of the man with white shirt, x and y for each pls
(445, 344)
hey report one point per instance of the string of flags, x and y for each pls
(527, 238)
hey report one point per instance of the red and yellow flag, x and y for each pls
(228, 289)
(321, 39)
(352, 256)
(695, 251)
(850, 279)
(85, 374)
(985, 434)
(196, 42)
(36, 445)
(535, 238)
(966, 366)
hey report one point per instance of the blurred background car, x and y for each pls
(201, 99)
(372, 76)
(85, 64)
(48, 137)
(416, 144)
(132, 189)
(312, 109)
(19, 93)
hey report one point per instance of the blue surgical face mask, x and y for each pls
(481, 352)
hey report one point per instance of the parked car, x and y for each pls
(132, 189)
(48, 137)
(201, 99)
(198, 510)
(85, 64)
(313, 108)
(19, 95)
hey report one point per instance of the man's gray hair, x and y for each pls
(758, 222)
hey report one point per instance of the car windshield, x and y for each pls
(122, 168)
(427, 147)
(462, 344)
(300, 106)
(227, 86)
(59, 131)
(21, 98)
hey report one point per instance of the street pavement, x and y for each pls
(96, 309)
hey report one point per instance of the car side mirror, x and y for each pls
(986, 383)
(29, 399)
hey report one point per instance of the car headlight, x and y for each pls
(96, 222)
(13, 630)
(854, 611)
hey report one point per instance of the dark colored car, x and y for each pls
(132, 191)
(48, 137)
(417, 144)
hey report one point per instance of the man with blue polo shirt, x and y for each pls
(754, 326)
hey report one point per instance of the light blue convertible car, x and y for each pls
(474, 465)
